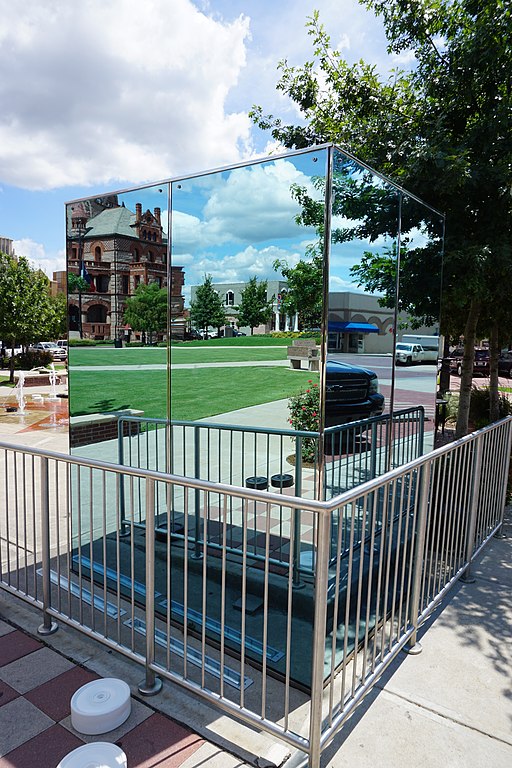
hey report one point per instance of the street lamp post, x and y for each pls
(79, 232)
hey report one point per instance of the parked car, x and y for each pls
(62, 343)
(351, 393)
(58, 353)
(505, 364)
(7, 351)
(407, 354)
(480, 366)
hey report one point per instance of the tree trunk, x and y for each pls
(494, 395)
(466, 380)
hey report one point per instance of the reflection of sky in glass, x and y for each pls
(235, 224)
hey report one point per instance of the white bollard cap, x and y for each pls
(100, 706)
(100, 754)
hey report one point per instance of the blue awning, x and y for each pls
(340, 327)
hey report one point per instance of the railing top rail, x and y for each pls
(270, 430)
(267, 497)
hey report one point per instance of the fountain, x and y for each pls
(20, 394)
(53, 384)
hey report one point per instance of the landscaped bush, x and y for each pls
(479, 407)
(27, 360)
(305, 416)
(83, 343)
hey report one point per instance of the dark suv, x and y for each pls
(351, 393)
(505, 364)
(480, 366)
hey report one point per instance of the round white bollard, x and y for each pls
(100, 706)
(100, 754)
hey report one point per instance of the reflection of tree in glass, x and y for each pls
(206, 309)
(254, 309)
(368, 209)
(146, 310)
(27, 311)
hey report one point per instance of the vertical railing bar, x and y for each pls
(25, 538)
(204, 595)
(414, 487)
(470, 541)
(413, 645)
(244, 598)
(223, 594)
(405, 549)
(169, 581)
(57, 531)
(104, 547)
(319, 623)
(48, 627)
(289, 615)
(348, 595)
(337, 554)
(374, 502)
(132, 559)
(265, 613)
(151, 684)
(504, 471)
(359, 598)
(388, 548)
(16, 524)
(185, 578)
(69, 528)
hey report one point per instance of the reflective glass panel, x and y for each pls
(117, 297)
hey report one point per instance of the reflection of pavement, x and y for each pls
(178, 366)
(43, 424)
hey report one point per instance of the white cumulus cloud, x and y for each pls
(96, 91)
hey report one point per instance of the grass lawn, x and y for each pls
(99, 356)
(197, 393)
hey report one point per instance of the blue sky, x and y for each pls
(99, 96)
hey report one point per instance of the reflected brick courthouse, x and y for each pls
(116, 249)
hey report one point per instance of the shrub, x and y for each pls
(480, 404)
(305, 416)
(33, 358)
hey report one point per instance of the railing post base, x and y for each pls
(500, 535)
(147, 688)
(43, 629)
(413, 650)
(467, 579)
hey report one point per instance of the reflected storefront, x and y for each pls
(370, 258)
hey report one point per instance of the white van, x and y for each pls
(429, 344)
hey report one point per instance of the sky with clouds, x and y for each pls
(102, 95)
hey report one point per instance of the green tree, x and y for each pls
(26, 310)
(146, 310)
(254, 308)
(207, 307)
(441, 129)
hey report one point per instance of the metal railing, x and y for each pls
(262, 458)
(379, 558)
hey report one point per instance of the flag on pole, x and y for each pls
(86, 276)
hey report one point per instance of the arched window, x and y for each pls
(97, 253)
(229, 299)
(150, 256)
(136, 254)
(97, 314)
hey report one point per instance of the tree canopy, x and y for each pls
(254, 308)
(27, 311)
(146, 310)
(442, 129)
(207, 308)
